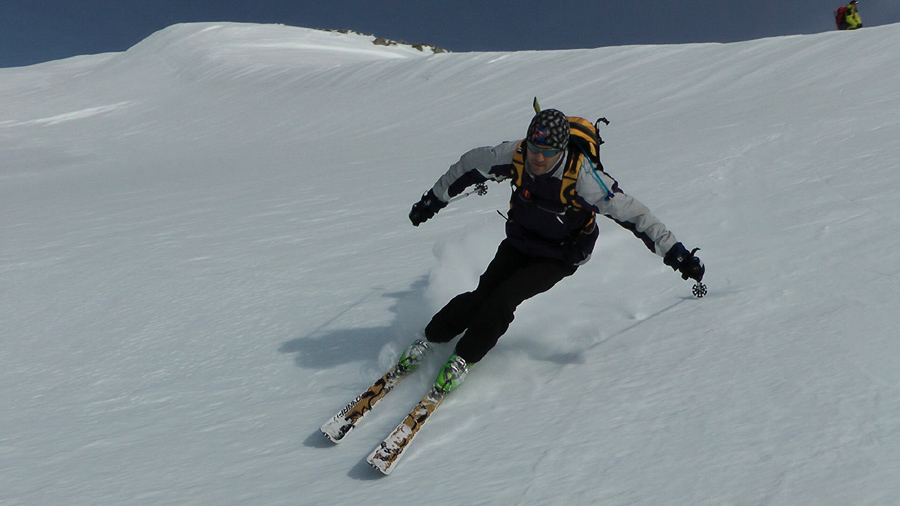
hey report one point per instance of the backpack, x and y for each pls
(584, 142)
(840, 16)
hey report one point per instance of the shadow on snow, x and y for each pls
(324, 348)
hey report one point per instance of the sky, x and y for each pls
(33, 31)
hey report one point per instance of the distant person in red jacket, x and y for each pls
(847, 18)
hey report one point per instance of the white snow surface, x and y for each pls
(205, 254)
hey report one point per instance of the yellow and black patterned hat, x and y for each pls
(550, 128)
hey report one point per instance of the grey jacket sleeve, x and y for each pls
(627, 211)
(476, 166)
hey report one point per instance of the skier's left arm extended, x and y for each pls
(634, 216)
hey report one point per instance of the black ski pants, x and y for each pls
(485, 314)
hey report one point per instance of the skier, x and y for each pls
(545, 242)
(848, 17)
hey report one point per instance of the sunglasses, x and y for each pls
(548, 153)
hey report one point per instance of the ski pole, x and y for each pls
(480, 189)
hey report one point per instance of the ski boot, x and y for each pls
(413, 355)
(452, 374)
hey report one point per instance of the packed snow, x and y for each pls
(205, 254)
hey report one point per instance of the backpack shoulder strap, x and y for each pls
(519, 164)
(569, 180)
(584, 142)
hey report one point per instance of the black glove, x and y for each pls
(679, 259)
(425, 208)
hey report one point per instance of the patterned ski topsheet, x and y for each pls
(345, 420)
(388, 453)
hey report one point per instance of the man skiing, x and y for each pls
(547, 236)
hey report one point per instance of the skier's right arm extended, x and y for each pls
(475, 166)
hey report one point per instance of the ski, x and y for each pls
(388, 453)
(346, 419)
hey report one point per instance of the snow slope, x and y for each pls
(204, 254)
